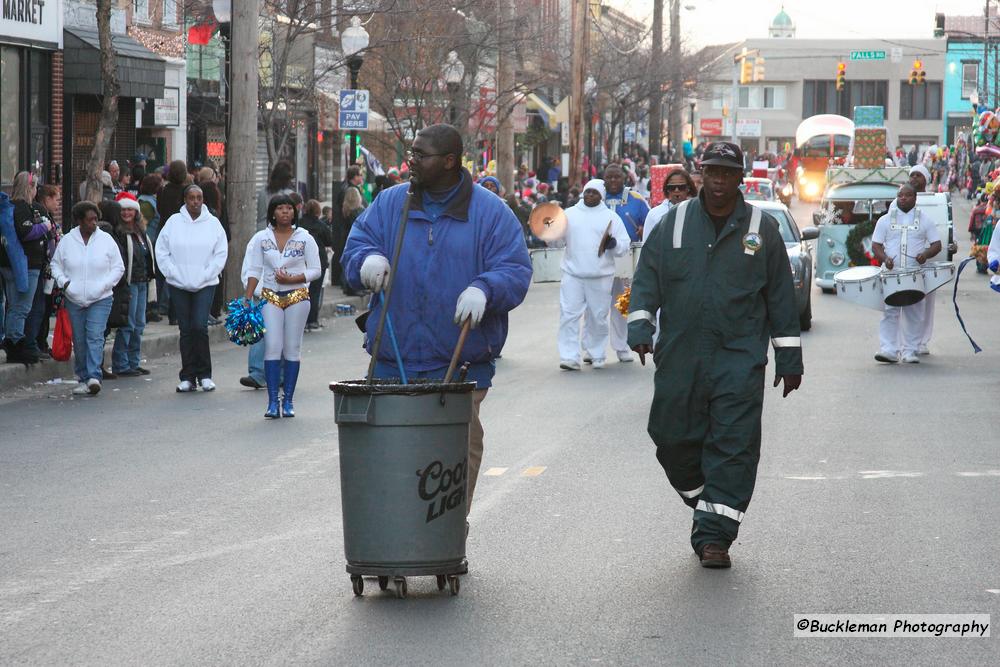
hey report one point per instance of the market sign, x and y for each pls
(166, 111)
(867, 55)
(748, 127)
(710, 127)
(32, 21)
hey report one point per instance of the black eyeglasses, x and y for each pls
(676, 188)
(417, 156)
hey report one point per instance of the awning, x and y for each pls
(141, 72)
(539, 104)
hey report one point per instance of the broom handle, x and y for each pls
(458, 349)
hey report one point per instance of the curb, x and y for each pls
(159, 339)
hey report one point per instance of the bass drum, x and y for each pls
(546, 264)
(860, 285)
(938, 274)
(903, 287)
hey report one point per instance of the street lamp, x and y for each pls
(354, 40)
(454, 70)
(694, 107)
(223, 10)
(589, 88)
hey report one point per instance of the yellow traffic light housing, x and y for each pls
(917, 73)
(758, 68)
(746, 70)
(841, 75)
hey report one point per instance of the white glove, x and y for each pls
(471, 303)
(374, 272)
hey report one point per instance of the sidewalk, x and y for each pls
(158, 339)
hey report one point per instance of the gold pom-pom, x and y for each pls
(623, 301)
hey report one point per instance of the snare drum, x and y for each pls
(903, 287)
(546, 264)
(938, 274)
(860, 285)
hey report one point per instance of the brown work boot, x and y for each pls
(715, 556)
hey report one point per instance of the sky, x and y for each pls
(720, 21)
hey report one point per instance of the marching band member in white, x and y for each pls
(993, 261)
(903, 238)
(587, 276)
(284, 259)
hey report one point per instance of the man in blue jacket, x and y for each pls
(463, 256)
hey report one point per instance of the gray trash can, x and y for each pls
(404, 460)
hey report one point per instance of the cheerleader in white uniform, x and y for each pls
(283, 259)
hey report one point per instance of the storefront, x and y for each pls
(30, 40)
(141, 76)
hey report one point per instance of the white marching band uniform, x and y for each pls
(904, 236)
(587, 278)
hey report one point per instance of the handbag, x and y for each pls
(122, 295)
(62, 336)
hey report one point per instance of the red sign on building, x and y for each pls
(710, 127)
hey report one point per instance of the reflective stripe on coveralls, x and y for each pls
(719, 305)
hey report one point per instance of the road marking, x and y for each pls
(995, 591)
(533, 471)
(886, 474)
(806, 477)
(985, 473)
(495, 472)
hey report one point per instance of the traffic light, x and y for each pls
(758, 68)
(841, 75)
(921, 74)
(916, 72)
(746, 70)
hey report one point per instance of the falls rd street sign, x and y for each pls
(354, 109)
(867, 55)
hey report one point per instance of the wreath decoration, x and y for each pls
(856, 251)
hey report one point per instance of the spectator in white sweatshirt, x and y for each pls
(86, 267)
(191, 251)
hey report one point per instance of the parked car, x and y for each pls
(800, 256)
(758, 189)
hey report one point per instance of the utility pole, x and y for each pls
(505, 99)
(986, 49)
(241, 144)
(677, 79)
(577, 74)
(655, 83)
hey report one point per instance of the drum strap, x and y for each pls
(954, 302)
(679, 222)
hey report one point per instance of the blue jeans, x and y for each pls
(88, 337)
(33, 324)
(125, 353)
(255, 362)
(192, 319)
(18, 303)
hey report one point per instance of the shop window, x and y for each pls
(921, 102)
(10, 112)
(970, 79)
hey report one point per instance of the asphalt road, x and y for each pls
(147, 527)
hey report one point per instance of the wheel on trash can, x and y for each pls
(358, 584)
(400, 584)
(454, 584)
(442, 580)
(383, 583)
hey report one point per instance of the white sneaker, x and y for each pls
(93, 386)
(569, 365)
(598, 363)
(81, 389)
(207, 384)
(185, 386)
(587, 359)
(923, 351)
(625, 357)
(886, 358)
(910, 359)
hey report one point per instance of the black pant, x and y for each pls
(315, 292)
(192, 319)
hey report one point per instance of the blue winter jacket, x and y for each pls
(476, 241)
(631, 208)
(12, 244)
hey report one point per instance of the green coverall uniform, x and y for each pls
(720, 298)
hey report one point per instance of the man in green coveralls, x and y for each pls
(717, 271)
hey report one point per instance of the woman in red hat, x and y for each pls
(140, 268)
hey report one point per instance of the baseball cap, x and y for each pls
(723, 154)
